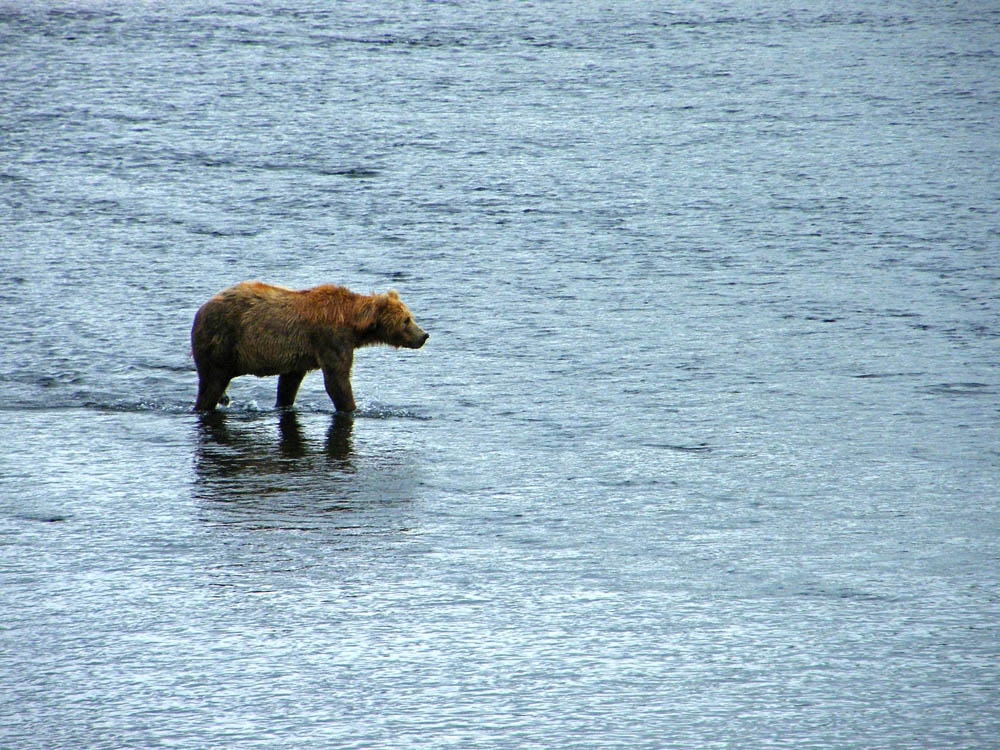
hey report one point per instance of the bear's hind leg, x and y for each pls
(288, 386)
(211, 391)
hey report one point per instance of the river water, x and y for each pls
(703, 450)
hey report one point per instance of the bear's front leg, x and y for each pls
(338, 385)
(335, 357)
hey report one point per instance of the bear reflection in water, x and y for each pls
(253, 328)
(231, 446)
(283, 473)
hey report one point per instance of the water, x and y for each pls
(702, 451)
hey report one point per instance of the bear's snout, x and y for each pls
(420, 339)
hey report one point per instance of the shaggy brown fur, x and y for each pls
(253, 328)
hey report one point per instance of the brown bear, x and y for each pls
(253, 328)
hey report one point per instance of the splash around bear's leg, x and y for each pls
(211, 391)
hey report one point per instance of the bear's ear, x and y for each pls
(392, 294)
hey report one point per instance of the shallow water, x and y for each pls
(703, 449)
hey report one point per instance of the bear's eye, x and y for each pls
(407, 321)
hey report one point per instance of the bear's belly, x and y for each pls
(267, 366)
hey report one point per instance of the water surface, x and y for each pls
(703, 449)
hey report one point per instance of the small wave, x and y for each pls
(959, 389)
(356, 173)
(878, 375)
(389, 40)
(845, 593)
(210, 231)
(185, 369)
(351, 172)
(42, 517)
(699, 448)
(142, 405)
(235, 408)
(388, 412)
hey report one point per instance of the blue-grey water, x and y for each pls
(703, 451)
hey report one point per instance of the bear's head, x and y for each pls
(393, 323)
